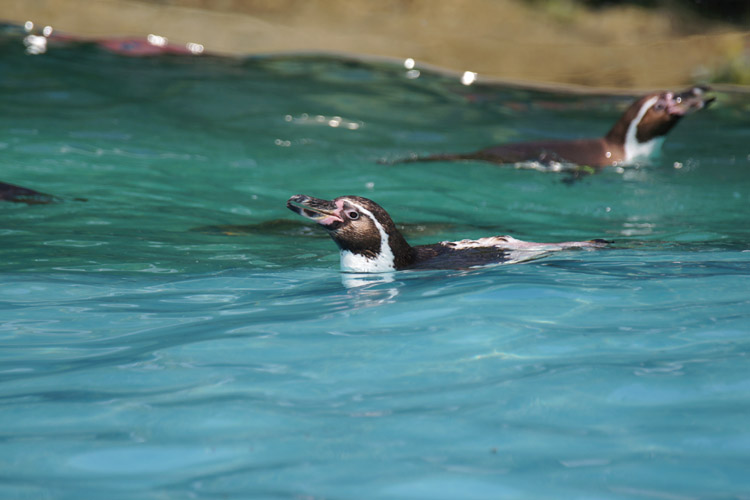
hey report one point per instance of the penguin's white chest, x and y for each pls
(641, 151)
(358, 263)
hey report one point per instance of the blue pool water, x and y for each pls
(180, 334)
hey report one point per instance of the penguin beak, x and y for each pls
(690, 100)
(324, 212)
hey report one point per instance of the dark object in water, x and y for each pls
(286, 227)
(637, 136)
(18, 194)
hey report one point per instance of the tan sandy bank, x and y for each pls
(625, 47)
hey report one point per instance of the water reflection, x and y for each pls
(36, 44)
(159, 41)
(365, 291)
(468, 77)
(411, 71)
(195, 48)
(331, 121)
(356, 280)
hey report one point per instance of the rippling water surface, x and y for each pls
(181, 335)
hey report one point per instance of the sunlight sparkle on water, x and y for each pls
(468, 77)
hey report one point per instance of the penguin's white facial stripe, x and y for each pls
(635, 150)
(384, 260)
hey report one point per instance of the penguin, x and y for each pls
(18, 194)
(369, 241)
(635, 138)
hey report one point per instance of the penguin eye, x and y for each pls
(353, 215)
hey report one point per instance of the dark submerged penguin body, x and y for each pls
(369, 241)
(18, 194)
(637, 136)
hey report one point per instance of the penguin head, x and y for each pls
(362, 229)
(644, 125)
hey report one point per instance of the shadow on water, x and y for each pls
(293, 228)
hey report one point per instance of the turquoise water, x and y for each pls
(181, 334)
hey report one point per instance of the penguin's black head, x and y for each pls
(645, 124)
(364, 232)
(660, 112)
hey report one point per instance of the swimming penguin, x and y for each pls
(18, 194)
(369, 241)
(636, 137)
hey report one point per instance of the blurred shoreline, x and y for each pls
(555, 44)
